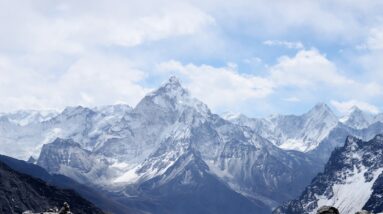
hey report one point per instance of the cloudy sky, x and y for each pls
(257, 57)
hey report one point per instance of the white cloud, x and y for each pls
(308, 74)
(222, 86)
(286, 44)
(344, 21)
(310, 70)
(346, 106)
(91, 80)
(56, 53)
(72, 27)
(374, 40)
(306, 69)
(94, 80)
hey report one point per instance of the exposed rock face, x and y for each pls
(65, 209)
(62, 156)
(351, 181)
(327, 210)
(363, 212)
(20, 192)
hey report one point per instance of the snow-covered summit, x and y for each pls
(173, 96)
(321, 111)
(26, 117)
(357, 118)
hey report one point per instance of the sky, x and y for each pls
(256, 57)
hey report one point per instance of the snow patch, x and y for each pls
(352, 194)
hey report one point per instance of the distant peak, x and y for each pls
(174, 80)
(76, 110)
(61, 141)
(355, 109)
(321, 107)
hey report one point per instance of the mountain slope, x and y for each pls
(64, 156)
(357, 119)
(351, 180)
(99, 199)
(337, 136)
(20, 192)
(189, 187)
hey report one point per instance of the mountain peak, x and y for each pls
(322, 109)
(172, 88)
(355, 109)
(174, 80)
(74, 110)
(357, 118)
(168, 94)
(321, 106)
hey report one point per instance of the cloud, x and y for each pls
(308, 75)
(57, 53)
(91, 80)
(374, 40)
(54, 54)
(219, 86)
(344, 21)
(346, 106)
(72, 27)
(306, 69)
(310, 70)
(94, 80)
(286, 44)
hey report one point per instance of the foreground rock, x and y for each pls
(20, 192)
(327, 210)
(64, 210)
(333, 210)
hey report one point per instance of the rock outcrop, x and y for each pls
(20, 192)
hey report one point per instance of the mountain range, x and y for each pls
(171, 154)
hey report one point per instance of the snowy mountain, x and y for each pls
(351, 180)
(317, 132)
(142, 144)
(133, 153)
(358, 119)
(189, 187)
(294, 132)
(25, 117)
